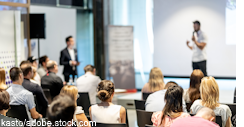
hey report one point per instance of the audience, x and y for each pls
(205, 117)
(155, 101)
(209, 91)
(193, 93)
(89, 82)
(34, 64)
(106, 111)
(61, 109)
(33, 76)
(156, 81)
(3, 85)
(19, 95)
(42, 102)
(42, 71)
(72, 91)
(4, 107)
(172, 110)
(54, 82)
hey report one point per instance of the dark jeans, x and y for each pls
(200, 65)
(66, 78)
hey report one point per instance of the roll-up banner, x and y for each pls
(121, 56)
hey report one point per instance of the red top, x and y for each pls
(193, 121)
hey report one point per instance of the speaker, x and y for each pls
(37, 26)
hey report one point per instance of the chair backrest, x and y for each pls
(84, 101)
(145, 95)
(45, 86)
(140, 104)
(109, 125)
(233, 111)
(48, 95)
(219, 120)
(188, 106)
(235, 96)
(126, 117)
(37, 106)
(143, 118)
(149, 125)
(19, 112)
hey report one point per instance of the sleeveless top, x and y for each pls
(106, 114)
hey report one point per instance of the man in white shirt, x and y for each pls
(199, 57)
(89, 82)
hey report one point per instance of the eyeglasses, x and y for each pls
(78, 96)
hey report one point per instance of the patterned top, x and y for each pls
(157, 116)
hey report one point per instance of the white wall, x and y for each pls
(60, 23)
(173, 26)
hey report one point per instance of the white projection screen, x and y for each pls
(173, 27)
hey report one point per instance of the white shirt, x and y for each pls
(72, 54)
(88, 83)
(198, 54)
(106, 114)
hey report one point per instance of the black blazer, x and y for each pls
(64, 60)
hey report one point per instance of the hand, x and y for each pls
(64, 83)
(187, 42)
(73, 63)
(193, 38)
(40, 115)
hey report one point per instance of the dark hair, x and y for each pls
(4, 100)
(42, 59)
(14, 73)
(67, 38)
(26, 68)
(62, 108)
(197, 22)
(170, 83)
(105, 89)
(88, 68)
(173, 99)
(195, 81)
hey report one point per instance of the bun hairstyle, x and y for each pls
(105, 90)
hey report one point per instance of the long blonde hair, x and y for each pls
(209, 90)
(156, 79)
(3, 85)
(71, 91)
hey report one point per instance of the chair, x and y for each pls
(235, 96)
(145, 95)
(84, 101)
(19, 112)
(109, 125)
(149, 125)
(219, 120)
(126, 117)
(48, 95)
(140, 104)
(37, 106)
(143, 118)
(233, 111)
(188, 106)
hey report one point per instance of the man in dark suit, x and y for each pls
(51, 80)
(41, 99)
(68, 58)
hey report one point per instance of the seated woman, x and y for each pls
(4, 107)
(193, 93)
(156, 81)
(106, 111)
(3, 85)
(79, 114)
(172, 110)
(209, 91)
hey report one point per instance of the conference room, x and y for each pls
(121, 63)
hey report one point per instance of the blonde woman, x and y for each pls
(3, 85)
(156, 81)
(79, 115)
(209, 91)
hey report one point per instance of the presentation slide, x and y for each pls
(173, 26)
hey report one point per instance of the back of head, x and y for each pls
(89, 68)
(105, 90)
(4, 100)
(14, 73)
(24, 62)
(51, 64)
(173, 99)
(2, 76)
(195, 81)
(26, 68)
(42, 59)
(156, 79)
(62, 108)
(71, 91)
(209, 90)
(170, 83)
(206, 113)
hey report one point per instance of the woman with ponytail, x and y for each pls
(106, 111)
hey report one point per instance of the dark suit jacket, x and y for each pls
(64, 60)
(40, 96)
(53, 82)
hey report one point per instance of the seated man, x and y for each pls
(205, 117)
(89, 82)
(51, 80)
(34, 88)
(42, 71)
(19, 95)
(155, 101)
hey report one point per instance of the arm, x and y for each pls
(123, 115)
(82, 117)
(41, 97)
(90, 113)
(199, 45)
(228, 122)
(62, 59)
(187, 43)
(35, 114)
